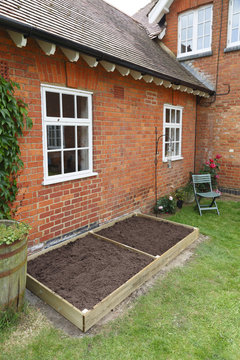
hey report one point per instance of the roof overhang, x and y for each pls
(48, 41)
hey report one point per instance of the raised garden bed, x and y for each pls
(89, 276)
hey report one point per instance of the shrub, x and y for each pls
(212, 167)
(11, 233)
(165, 204)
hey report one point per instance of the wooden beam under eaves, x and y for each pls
(148, 78)
(72, 55)
(18, 38)
(167, 84)
(90, 60)
(175, 87)
(47, 48)
(136, 75)
(157, 81)
(109, 67)
(123, 71)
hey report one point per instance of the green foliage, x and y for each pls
(179, 194)
(13, 116)
(8, 318)
(212, 167)
(165, 204)
(12, 233)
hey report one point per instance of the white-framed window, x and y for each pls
(234, 23)
(172, 129)
(67, 133)
(195, 31)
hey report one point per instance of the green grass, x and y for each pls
(192, 313)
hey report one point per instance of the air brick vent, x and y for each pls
(118, 92)
(4, 70)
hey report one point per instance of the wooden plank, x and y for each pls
(122, 245)
(61, 305)
(165, 220)
(112, 300)
(111, 223)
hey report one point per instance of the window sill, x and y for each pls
(174, 159)
(195, 56)
(232, 48)
(70, 178)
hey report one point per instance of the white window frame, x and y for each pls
(47, 120)
(195, 26)
(231, 44)
(172, 126)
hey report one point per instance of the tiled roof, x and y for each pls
(93, 24)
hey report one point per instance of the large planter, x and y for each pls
(13, 267)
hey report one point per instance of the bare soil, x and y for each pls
(151, 236)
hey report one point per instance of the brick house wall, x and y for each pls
(125, 113)
(218, 125)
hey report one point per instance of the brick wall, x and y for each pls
(125, 113)
(218, 125)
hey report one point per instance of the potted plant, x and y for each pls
(13, 263)
(179, 194)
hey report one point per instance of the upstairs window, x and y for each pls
(67, 130)
(195, 31)
(234, 23)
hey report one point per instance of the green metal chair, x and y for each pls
(204, 179)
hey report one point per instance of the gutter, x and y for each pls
(30, 31)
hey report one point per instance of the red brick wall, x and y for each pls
(124, 123)
(218, 125)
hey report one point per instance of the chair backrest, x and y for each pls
(202, 179)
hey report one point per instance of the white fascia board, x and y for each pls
(161, 8)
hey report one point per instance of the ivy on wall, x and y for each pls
(13, 119)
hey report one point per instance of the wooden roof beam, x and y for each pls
(90, 60)
(72, 55)
(18, 38)
(47, 48)
(123, 71)
(109, 67)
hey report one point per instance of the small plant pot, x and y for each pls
(179, 204)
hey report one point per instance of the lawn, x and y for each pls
(192, 313)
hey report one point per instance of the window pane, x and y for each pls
(82, 107)
(69, 161)
(190, 20)
(235, 21)
(190, 33)
(207, 28)
(172, 116)
(178, 116)
(54, 163)
(52, 104)
(172, 134)
(83, 163)
(82, 136)
(234, 35)
(177, 134)
(207, 42)
(183, 47)
(167, 115)
(189, 46)
(208, 13)
(68, 137)
(184, 21)
(201, 16)
(166, 149)
(53, 137)
(68, 106)
(177, 149)
(236, 5)
(200, 43)
(200, 30)
(166, 134)
(184, 34)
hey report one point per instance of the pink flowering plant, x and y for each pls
(165, 204)
(212, 167)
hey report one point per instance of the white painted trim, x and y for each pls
(72, 55)
(46, 120)
(123, 70)
(91, 61)
(195, 25)
(161, 8)
(136, 75)
(109, 67)
(148, 78)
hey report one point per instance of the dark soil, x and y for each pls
(85, 271)
(148, 235)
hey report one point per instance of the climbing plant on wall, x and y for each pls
(13, 119)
